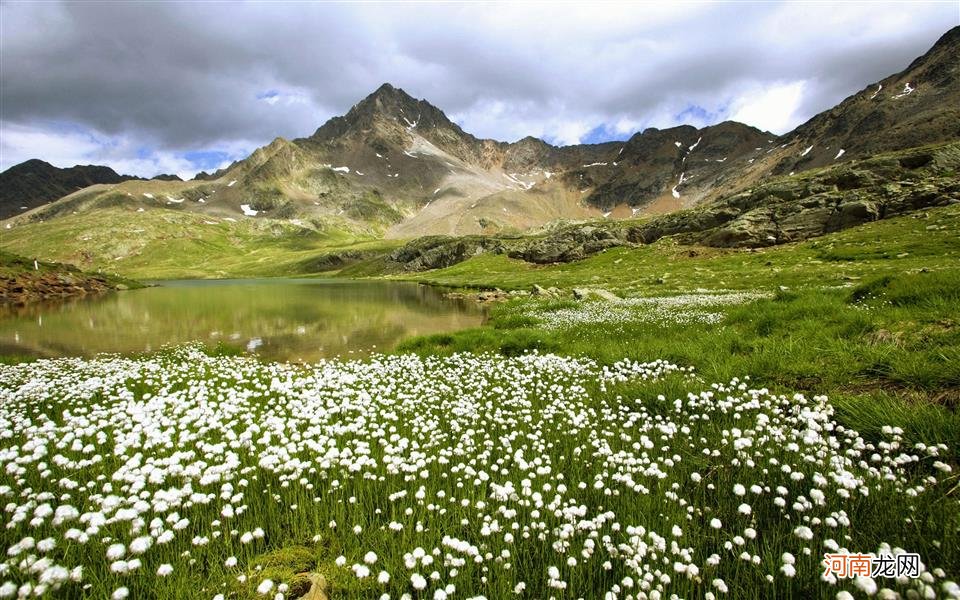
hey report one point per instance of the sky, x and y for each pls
(179, 87)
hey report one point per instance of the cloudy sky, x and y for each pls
(179, 87)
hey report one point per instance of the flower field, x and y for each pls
(701, 307)
(183, 475)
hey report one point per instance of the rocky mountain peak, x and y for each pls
(387, 104)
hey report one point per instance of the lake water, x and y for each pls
(278, 319)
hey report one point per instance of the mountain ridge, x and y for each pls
(35, 182)
(397, 166)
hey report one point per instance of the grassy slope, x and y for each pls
(168, 244)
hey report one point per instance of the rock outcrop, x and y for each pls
(28, 288)
(23, 282)
(437, 252)
(570, 244)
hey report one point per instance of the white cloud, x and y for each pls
(66, 147)
(770, 107)
(59, 148)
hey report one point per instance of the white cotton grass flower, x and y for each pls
(120, 593)
(360, 571)
(141, 544)
(116, 551)
(418, 582)
(265, 587)
(164, 569)
(865, 584)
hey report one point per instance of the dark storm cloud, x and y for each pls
(114, 79)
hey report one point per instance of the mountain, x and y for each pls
(397, 166)
(919, 105)
(33, 183)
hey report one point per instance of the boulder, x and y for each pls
(751, 229)
(854, 213)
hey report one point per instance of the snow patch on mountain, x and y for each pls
(907, 90)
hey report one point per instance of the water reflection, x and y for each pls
(277, 319)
